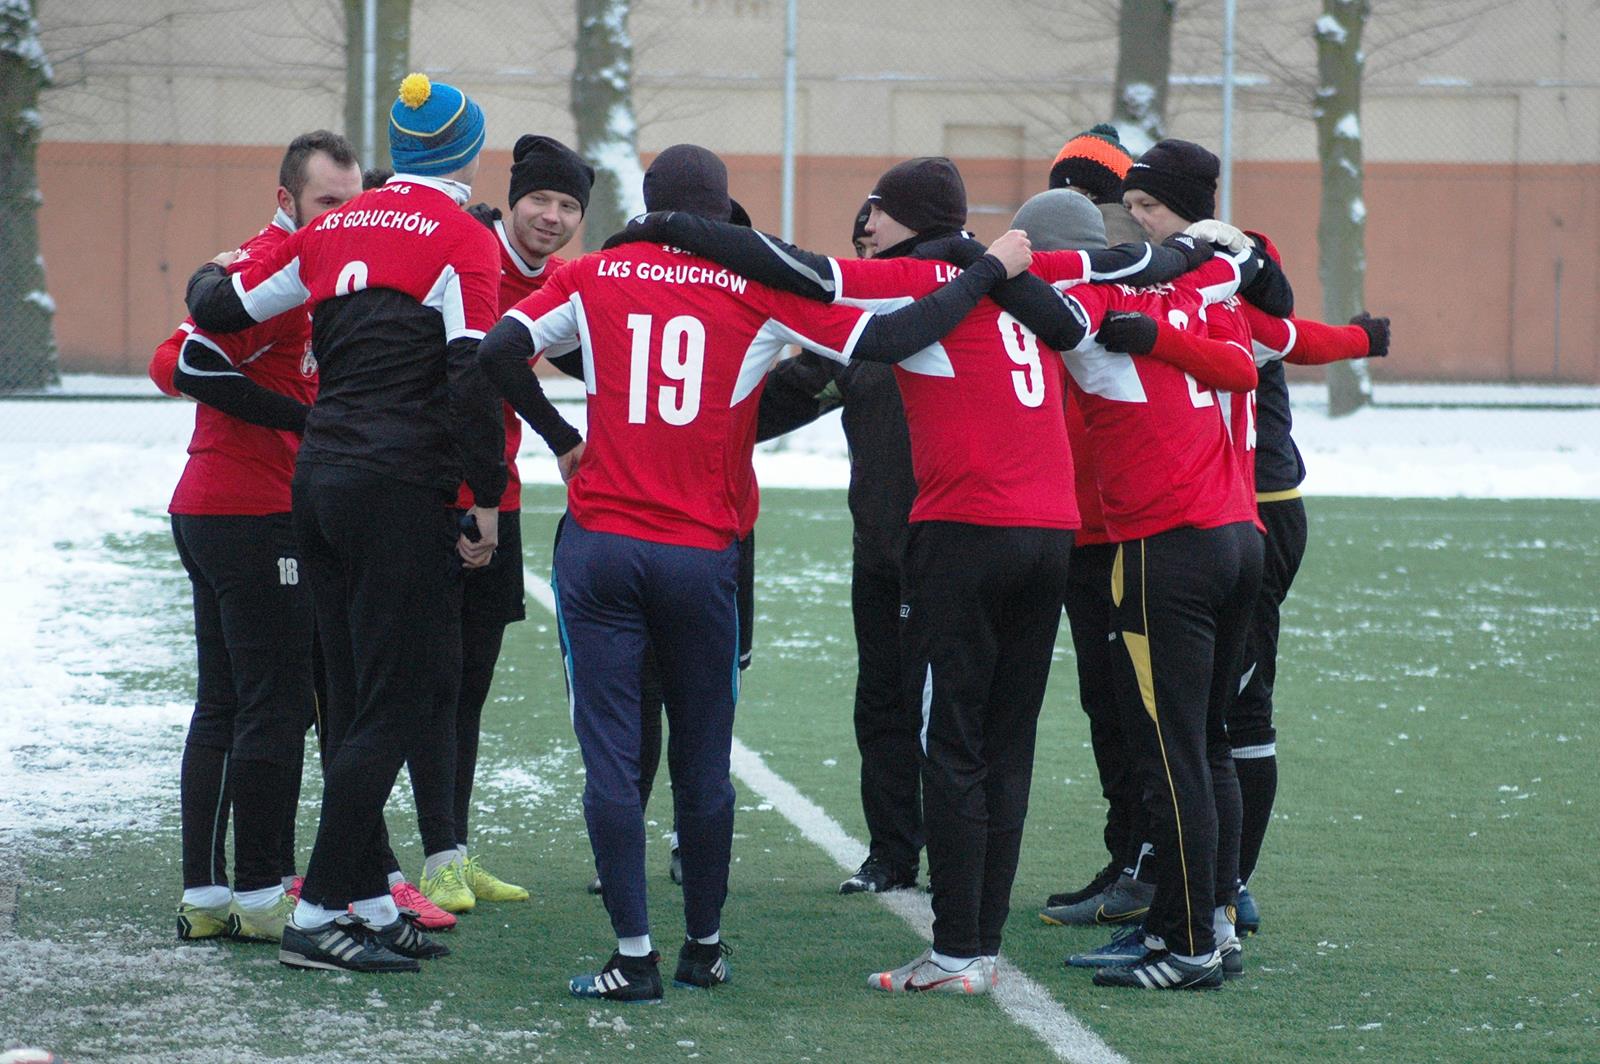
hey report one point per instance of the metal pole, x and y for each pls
(369, 82)
(1226, 213)
(791, 33)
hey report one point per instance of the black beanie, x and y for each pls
(544, 162)
(737, 215)
(1179, 173)
(687, 177)
(923, 194)
(859, 230)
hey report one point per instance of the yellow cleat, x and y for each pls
(447, 890)
(260, 925)
(195, 921)
(487, 887)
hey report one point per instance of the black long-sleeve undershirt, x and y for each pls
(213, 302)
(206, 376)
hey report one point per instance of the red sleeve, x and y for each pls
(548, 312)
(274, 283)
(826, 328)
(1273, 333)
(1319, 344)
(165, 361)
(1057, 266)
(1094, 299)
(887, 278)
(1219, 359)
(478, 266)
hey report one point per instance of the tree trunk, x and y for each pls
(602, 109)
(394, 63)
(1144, 63)
(27, 339)
(1342, 227)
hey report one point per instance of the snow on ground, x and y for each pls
(80, 742)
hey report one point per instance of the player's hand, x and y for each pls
(568, 463)
(227, 258)
(1197, 252)
(1128, 332)
(1377, 330)
(1014, 251)
(1211, 231)
(485, 214)
(475, 554)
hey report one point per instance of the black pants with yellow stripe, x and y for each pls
(983, 610)
(1181, 604)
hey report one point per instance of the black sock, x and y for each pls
(1258, 785)
(204, 803)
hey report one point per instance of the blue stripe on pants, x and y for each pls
(616, 595)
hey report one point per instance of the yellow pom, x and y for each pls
(415, 90)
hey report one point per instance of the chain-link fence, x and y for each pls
(1479, 128)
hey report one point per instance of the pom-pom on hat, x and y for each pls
(434, 128)
(1093, 162)
(546, 163)
(1179, 173)
(923, 194)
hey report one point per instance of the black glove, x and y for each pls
(484, 213)
(645, 229)
(1196, 253)
(1129, 332)
(1377, 330)
(958, 249)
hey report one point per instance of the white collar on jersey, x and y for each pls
(454, 189)
(283, 221)
(516, 256)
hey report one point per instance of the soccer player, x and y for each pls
(675, 353)
(252, 612)
(1094, 163)
(404, 285)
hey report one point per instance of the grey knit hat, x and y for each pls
(1061, 220)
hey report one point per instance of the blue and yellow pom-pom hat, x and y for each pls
(434, 128)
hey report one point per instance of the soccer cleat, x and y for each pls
(624, 980)
(486, 887)
(876, 876)
(1232, 958)
(448, 890)
(1125, 947)
(260, 925)
(198, 921)
(1247, 921)
(924, 975)
(346, 943)
(594, 886)
(1160, 970)
(1102, 879)
(405, 937)
(1124, 901)
(429, 916)
(702, 966)
(675, 867)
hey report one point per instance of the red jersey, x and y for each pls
(675, 354)
(518, 280)
(1086, 489)
(1163, 454)
(984, 406)
(1227, 322)
(236, 468)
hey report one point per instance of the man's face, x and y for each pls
(863, 247)
(883, 232)
(328, 185)
(543, 221)
(1153, 216)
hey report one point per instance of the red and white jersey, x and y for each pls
(236, 468)
(1163, 453)
(984, 406)
(518, 281)
(675, 354)
(1227, 322)
(1085, 486)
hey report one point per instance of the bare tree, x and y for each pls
(27, 340)
(1342, 222)
(602, 110)
(1144, 66)
(393, 64)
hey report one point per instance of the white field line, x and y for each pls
(1024, 1000)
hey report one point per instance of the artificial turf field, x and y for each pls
(1428, 886)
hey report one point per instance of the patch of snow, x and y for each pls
(42, 300)
(1348, 127)
(1358, 210)
(1330, 29)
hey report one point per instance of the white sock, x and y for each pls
(395, 879)
(379, 911)
(1203, 959)
(951, 964)
(288, 881)
(674, 840)
(1154, 942)
(434, 863)
(256, 900)
(308, 915)
(1221, 926)
(634, 946)
(212, 897)
(711, 939)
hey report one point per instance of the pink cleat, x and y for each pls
(429, 916)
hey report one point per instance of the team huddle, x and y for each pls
(1088, 413)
